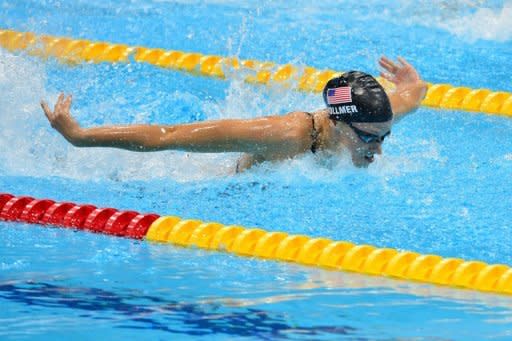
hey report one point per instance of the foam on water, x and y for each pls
(470, 20)
(484, 23)
(32, 148)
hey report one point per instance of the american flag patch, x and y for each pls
(339, 95)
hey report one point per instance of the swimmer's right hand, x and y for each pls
(61, 120)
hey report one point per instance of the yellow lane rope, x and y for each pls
(320, 252)
(338, 255)
(444, 96)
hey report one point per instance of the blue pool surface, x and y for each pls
(442, 186)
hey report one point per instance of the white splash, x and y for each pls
(469, 19)
(31, 148)
(484, 23)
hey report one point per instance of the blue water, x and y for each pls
(442, 186)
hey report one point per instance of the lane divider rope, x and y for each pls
(444, 96)
(279, 246)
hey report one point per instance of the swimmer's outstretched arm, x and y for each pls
(410, 89)
(260, 136)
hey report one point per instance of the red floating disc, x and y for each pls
(118, 222)
(55, 213)
(35, 210)
(77, 215)
(139, 225)
(98, 218)
(13, 208)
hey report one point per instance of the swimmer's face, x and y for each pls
(363, 153)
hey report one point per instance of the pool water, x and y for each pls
(442, 186)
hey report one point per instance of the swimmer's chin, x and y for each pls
(363, 162)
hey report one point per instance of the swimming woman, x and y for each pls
(358, 117)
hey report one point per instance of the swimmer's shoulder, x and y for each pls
(304, 119)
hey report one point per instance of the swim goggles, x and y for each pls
(367, 137)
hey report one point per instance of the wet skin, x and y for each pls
(260, 139)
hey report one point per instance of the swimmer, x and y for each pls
(357, 118)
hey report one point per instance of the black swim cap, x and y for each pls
(357, 97)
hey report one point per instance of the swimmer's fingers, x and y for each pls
(388, 76)
(408, 69)
(403, 62)
(383, 63)
(389, 69)
(60, 104)
(47, 111)
(67, 103)
(61, 109)
(388, 65)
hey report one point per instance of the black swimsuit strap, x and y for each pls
(314, 134)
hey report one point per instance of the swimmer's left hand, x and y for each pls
(402, 74)
(409, 88)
